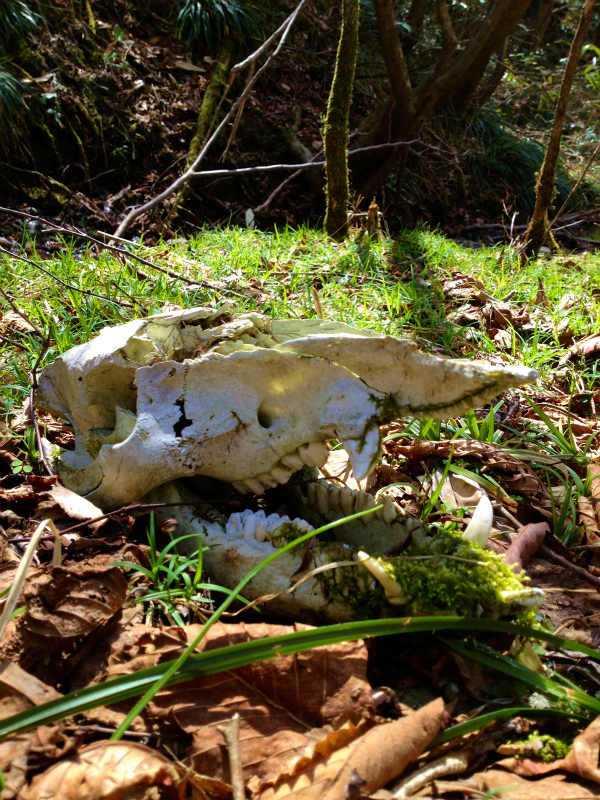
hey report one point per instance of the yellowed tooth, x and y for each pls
(311, 491)
(322, 498)
(241, 487)
(293, 461)
(334, 498)
(254, 485)
(347, 501)
(281, 473)
(389, 509)
(268, 480)
(368, 502)
(314, 454)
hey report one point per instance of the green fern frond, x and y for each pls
(204, 23)
(16, 21)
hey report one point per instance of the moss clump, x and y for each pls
(435, 585)
(545, 747)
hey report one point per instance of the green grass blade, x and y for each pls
(227, 658)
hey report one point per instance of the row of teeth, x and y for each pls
(257, 525)
(327, 497)
(313, 454)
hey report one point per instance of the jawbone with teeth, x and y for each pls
(248, 401)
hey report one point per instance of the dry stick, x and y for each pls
(231, 732)
(11, 343)
(574, 189)
(114, 249)
(564, 562)
(34, 386)
(64, 283)
(189, 173)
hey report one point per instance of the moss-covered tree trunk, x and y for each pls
(336, 124)
(212, 95)
(537, 230)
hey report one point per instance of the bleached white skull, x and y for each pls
(242, 398)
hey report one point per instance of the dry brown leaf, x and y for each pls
(369, 763)
(282, 703)
(529, 540)
(19, 691)
(113, 771)
(15, 322)
(541, 298)
(73, 601)
(512, 787)
(462, 287)
(587, 520)
(594, 471)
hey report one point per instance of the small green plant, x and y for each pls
(204, 23)
(19, 466)
(174, 578)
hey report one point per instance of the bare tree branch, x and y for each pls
(183, 179)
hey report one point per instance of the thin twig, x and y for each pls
(188, 174)
(574, 189)
(11, 343)
(564, 562)
(64, 283)
(120, 251)
(34, 386)
(231, 732)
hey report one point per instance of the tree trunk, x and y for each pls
(454, 79)
(336, 124)
(537, 230)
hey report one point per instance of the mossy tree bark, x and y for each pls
(218, 80)
(538, 228)
(336, 124)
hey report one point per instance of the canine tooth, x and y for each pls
(480, 525)
(293, 461)
(393, 591)
(389, 510)
(363, 454)
(322, 494)
(347, 501)
(267, 479)
(314, 454)
(254, 485)
(281, 473)
(311, 491)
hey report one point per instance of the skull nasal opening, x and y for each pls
(268, 414)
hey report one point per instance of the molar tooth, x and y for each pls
(322, 498)
(302, 525)
(249, 527)
(347, 501)
(240, 487)
(281, 473)
(233, 526)
(363, 454)
(368, 502)
(334, 498)
(311, 491)
(268, 480)
(314, 454)
(388, 510)
(293, 461)
(254, 485)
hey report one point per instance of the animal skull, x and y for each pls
(242, 398)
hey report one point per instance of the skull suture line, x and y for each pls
(242, 398)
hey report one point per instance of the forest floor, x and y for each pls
(474, 698)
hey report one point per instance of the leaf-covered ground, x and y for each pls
(348, 719)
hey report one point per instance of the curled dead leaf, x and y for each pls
(529, 540)
(376, 758)
(113, 771)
